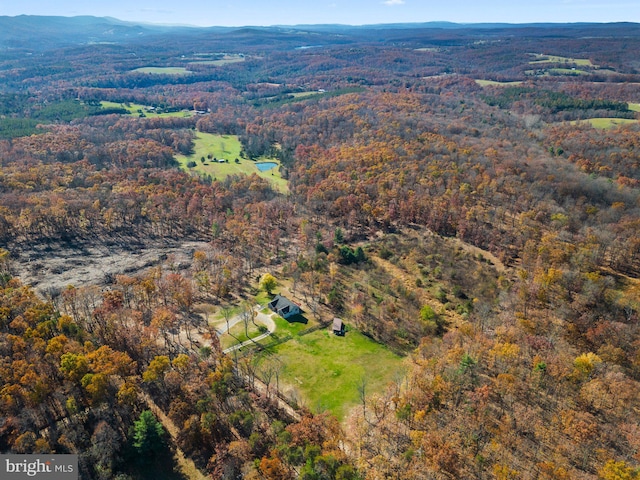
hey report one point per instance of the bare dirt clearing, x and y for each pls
(53, 266)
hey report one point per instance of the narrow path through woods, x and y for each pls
(187, 467)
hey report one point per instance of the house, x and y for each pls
(284, 307)
(338, 327)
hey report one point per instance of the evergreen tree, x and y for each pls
(148, 435)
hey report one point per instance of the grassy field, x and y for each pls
(485, 83)
(163, 70)
(581, 62)
(293, 327)
(136, 109)
(605, 122)
(634, 107)
(567, 71)
(238, 335)
(220, 62)
(218, 59)
(305, 94)
(325, 370)
(229, 148)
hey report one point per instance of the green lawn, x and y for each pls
(582, 62)
(226, 60)
(227, 147)
(163, 70)
(325, 370)
(305, 94)
(567, 71)
(238, 335)
(294, 326)
(635, 107)
(606, 122)
(484, 83)
(137, 109)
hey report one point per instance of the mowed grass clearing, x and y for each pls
(605, 123)
(567, 71)
(238, 335)
(486, 83)
(306, 94)
(581, 62)
(635, 107)
(325, 370)
(163, 70)
(219, 62)
(137, 109)
(226, 147)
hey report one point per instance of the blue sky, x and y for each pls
(354, 12)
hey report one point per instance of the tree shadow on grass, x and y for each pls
(161, 467)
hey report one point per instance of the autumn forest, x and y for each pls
(465, 199)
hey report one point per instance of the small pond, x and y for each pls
(264, 166)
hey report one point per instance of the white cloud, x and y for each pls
(392, 3)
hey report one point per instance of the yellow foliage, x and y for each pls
(417, 436)
(156, 368)
(181, 363)
(419, 415)
(613, 470)
(551, 276)
(503, 472)
(505, 351)
(127, 394)
(585, 363)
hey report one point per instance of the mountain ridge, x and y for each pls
(42, 33)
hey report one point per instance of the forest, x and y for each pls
(465, 198)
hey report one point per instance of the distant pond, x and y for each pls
(264, 166)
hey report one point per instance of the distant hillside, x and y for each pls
(40, 33)
(43, 33)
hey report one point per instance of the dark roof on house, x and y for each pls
(281, 303)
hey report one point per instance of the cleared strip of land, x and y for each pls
(486, 83)
(163, 70)
(605, 123)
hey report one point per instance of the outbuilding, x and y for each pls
(338, 326)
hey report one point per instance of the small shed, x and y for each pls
(338, 326)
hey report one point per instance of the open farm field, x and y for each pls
(306, 94)
(226, 147)
(541, 59)
(163, 70)
(486, 83)
(606, 123)
(137, 109)
(224, 60)
(567, 71)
